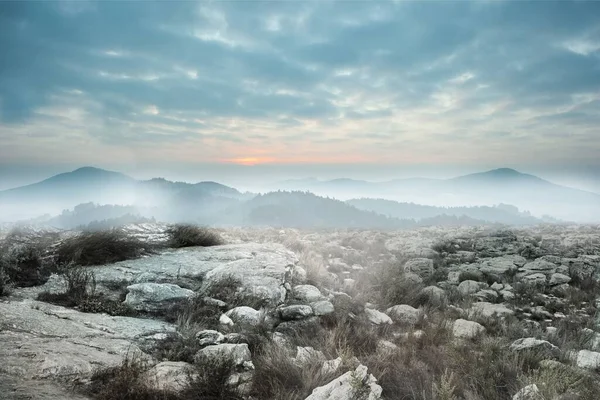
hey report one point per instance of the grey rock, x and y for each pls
(486, 295)
(209, 337)
(307, 293)
(322, 307)
(559, 279)
(435, 295)
(244, 315)
(529, 392)
(420, 266)
(498, 266)
(296, 311)
(170, 376)
(344, 387)
(377, 317)
(469, 287)
(466, 329)
(486, 309)
(237, 354)
(155, 297)
(534, 279)
(404, 314)
(588, 359)
(532, 344)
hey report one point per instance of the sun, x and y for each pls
(249, 161)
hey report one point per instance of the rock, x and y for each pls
(330, 366)
(435, 295)
(420, 266)
(529, 392)
(299, 327)
(209, 337)
(307, 293)
(351, 385)
(155, 297)
(486, 309)
(41, 341)
(404, 314)
(588, 359)
(225, 320)
(559, 279)
(348, 284)
(469, 287)
(337, 265)
(170, 376)
(413, 278)
(498, 266)
(244, 315)
(322, 307)
(537, 266)
(497, 286)
(236, 354)
(534, 279)
(486, 295)
(299, 274)
(532, 344)
(306, 355)
(209, 301)
(507, 294)
(466, 329)
(377, 317)
(295, 312)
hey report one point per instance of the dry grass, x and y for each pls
(187, 235)
(101, 247)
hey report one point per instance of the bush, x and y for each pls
(102, 247)
(4, 282)
(25, 265)
(186, 235)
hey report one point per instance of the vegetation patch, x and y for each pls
(187, 235)
(100, 247)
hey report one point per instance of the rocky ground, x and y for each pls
(462, 313)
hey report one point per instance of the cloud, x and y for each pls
(276, 81)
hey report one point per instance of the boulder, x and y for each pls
(306, 355)
(466, 329)
(469, 287)
(357, 384)
(404, 314)
(322, 307)
(486, 309)
(236, 354)
(295, 312)
(435, 295)
(588, 359)
(420, 266)
(532, 344)
(377, 317)
(498, 266)
(171, 376)
(559, 279)
(529, 392)
(155, 297)
(534, 279)
(209, 337)
(307, 293)
(244, 315)
(538, 266)
(486, 295)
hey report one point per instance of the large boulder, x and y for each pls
(537, 266)
(307, 293)
(588, 359)
(377, 317)
(499, 266)
(237, 354)
(357, 384)
(170, 376)
(156, 297)
(322, 307)
(244, 315)
(469, 287)
(296, 311)
(404, 314)
(466, 329)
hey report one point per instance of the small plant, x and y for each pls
(445, 388)
(25, 265)
(186, 235)
(101, 247)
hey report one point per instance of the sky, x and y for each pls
(234, 89)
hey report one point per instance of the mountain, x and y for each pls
(94, 185)
(503, 185)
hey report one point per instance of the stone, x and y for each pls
(588, 359)
(237, 354)
(209, 337)
(404, 314)
(413, 278)
(345, 387)
(469, 287)
(486, 295)
(155, 297)
(296, 311)
(497, 286)
(507, 294)
(225, 320)
(244, 315)
(435, 295)
(307, 293)
(559, 279)
(534, 279)
(532, 344)
(538, 266)
(466, 329)
(299, 274)
(330, 366)
(486, 309)
(529, 392)
(306, 355)
(171, 376)
(498, 266)
(420, 266)
(377, 317)
(322, 307)
(385, 347)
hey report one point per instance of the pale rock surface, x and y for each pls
(322, 307)
(244, 315)
(486, 309)
(170, 376)
(404, 314)
(345, 387)
(307, 293)
(529, 392)
(377, 317)
(588, 359)
(156, 297)
(466, 329)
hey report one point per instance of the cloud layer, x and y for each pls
(300, 82)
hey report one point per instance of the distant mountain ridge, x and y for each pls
(473, 196)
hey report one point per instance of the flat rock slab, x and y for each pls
(41, 341)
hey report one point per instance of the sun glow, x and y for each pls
(250, 160)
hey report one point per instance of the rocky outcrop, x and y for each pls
(156, 297)
(357, 384)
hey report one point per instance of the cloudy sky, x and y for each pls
(398, 86)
